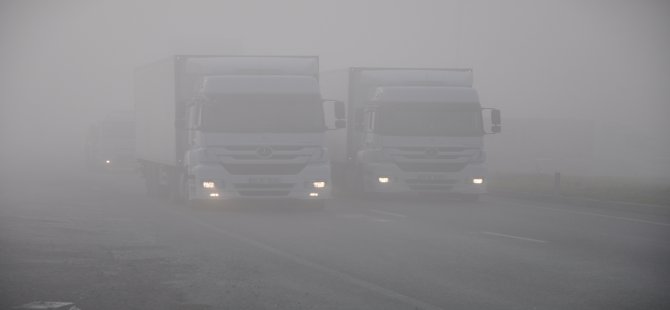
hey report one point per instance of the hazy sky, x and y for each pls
(603, 60)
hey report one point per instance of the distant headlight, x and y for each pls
(478, 181)
(208, 184)
(383, 179)
(108, 161)
(319, 184)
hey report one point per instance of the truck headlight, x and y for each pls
(319, 184)
(383, 179)
(477, 181)
(208, 184)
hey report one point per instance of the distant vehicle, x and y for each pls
(233, 127)
(409, 130)
(110, 142)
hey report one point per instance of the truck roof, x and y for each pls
(451, 77)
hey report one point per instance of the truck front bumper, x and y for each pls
(389, 178)
(312, 183)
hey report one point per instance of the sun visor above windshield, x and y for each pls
(250, 84)
(415, 94)
(417, 77)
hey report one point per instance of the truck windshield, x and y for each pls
(428, 119)
(269, 114)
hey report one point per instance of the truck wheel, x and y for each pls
(358, 187)
(151, 181)
(183, 188)
(174, 187)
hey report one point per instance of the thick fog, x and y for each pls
(588, 78)
(228, 186)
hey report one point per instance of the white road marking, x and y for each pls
(623, 218)
(513, 237)
(414, 303)
(388, 213)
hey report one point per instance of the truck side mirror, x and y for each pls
(495, 120)
(338, 116)
(338, 107)
(495, 117)
(495, 129)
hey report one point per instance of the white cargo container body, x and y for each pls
(409, 130)
(227, 127)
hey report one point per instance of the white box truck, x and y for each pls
(409, 130)
(214, 127)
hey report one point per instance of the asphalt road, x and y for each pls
(95, 239)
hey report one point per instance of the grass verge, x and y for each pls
(625, 189)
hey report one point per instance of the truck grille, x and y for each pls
(272, 157)
(430, 182)
(264, 169)
(440, 149)
(263, 186)
(424, 156)
(264, 193)
(251, 148)
(431, 167)
(427, 185)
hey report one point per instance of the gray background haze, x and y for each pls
(590, 78)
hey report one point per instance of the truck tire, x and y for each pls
(151, 180)
(182, 189)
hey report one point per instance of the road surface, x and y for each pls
(97, 240)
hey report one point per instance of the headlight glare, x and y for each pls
(208, 184)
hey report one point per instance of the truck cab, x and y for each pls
(218, 127)
(257, 137)
(413, 131)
